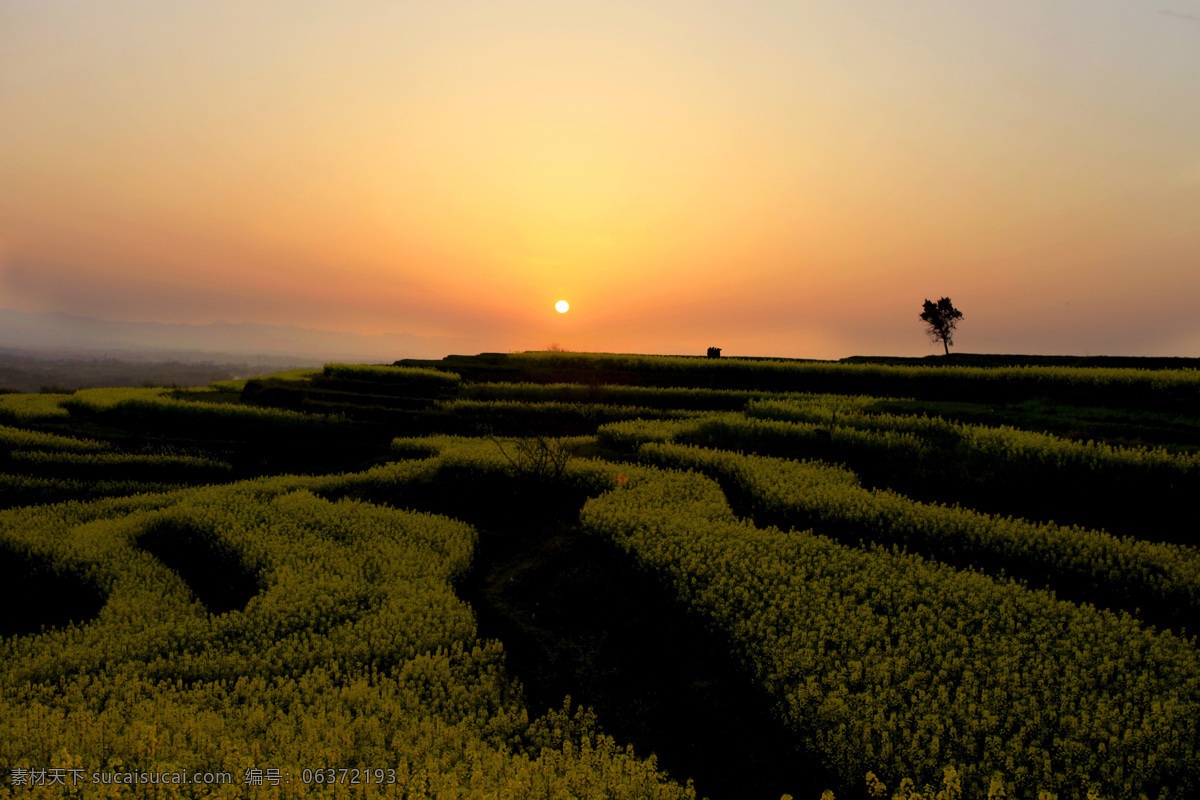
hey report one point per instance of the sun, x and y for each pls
(561, 306)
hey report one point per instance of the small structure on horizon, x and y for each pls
(714, 352)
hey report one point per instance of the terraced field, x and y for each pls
(589, 575)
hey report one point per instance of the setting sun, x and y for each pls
(561, 306)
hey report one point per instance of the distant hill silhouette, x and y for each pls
(217, 341)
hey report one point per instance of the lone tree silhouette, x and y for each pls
(941, 317)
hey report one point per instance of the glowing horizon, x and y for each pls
(781, 179)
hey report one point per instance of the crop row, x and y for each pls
(1022, 450)
(25, 408)
(22, 490)
(1160, 580)
(20, 438)
(117, 466)
(1002, 470)
(658, 397)
(524, 416)
(399, 376)
(159, 401)
(155, 410)
(1100, 386)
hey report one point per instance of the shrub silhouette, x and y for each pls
(538, 456)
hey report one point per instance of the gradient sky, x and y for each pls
(775, 178)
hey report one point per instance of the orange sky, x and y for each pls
(775, 178)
